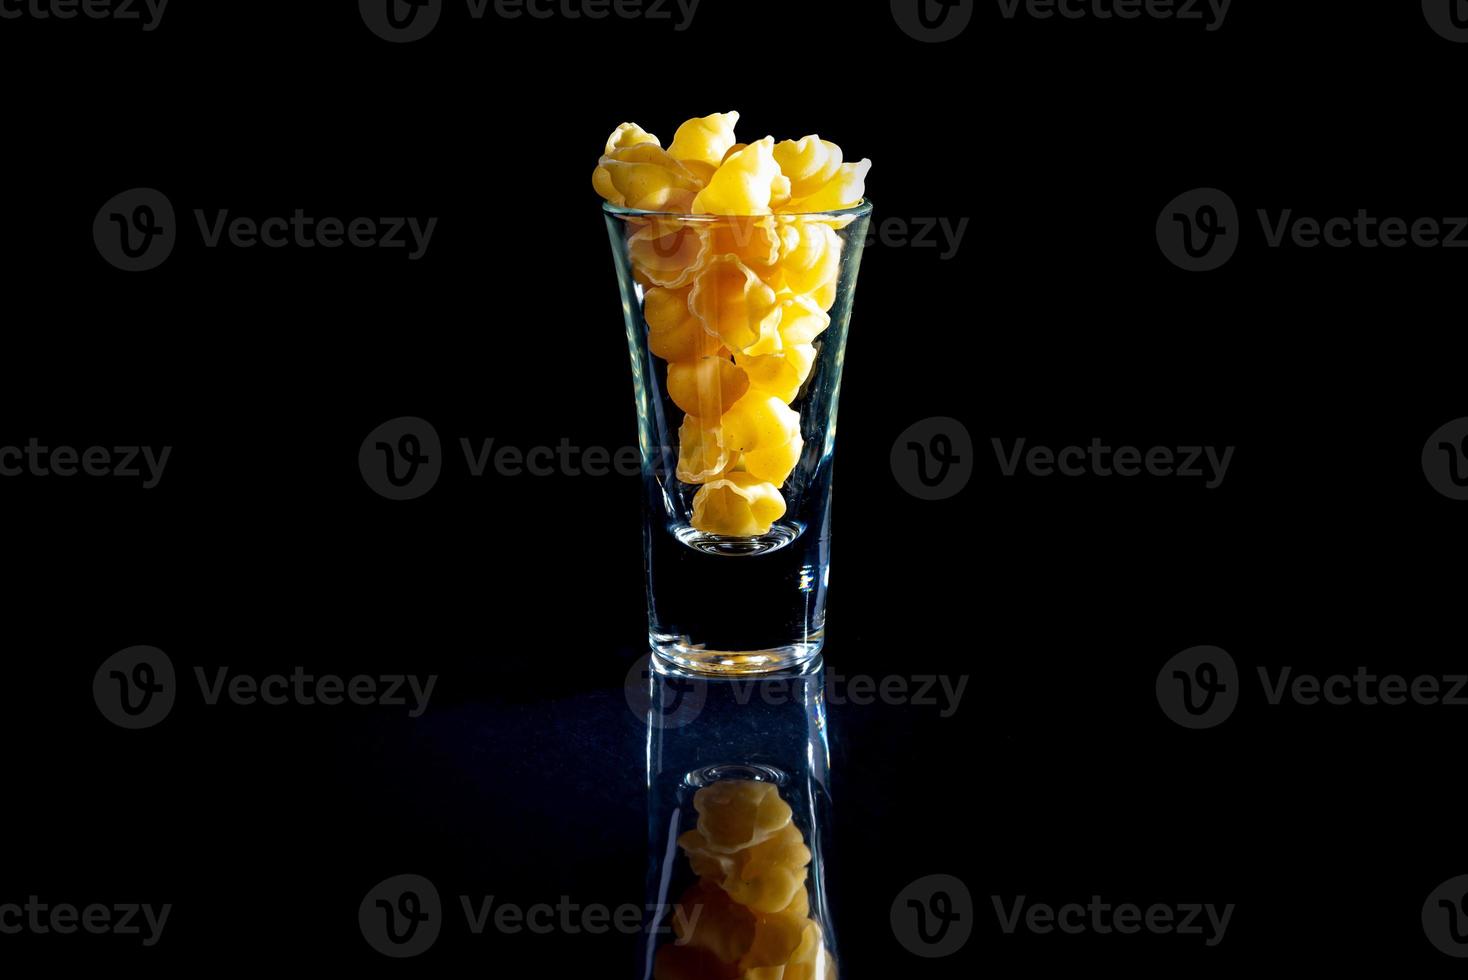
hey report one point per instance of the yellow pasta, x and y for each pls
(776, 940)
(629, 134)
(701, 453)
(706, 387)
(753, 920)
(775, 463)
(759, 421)
(756, 242)
(781, 373)
(739, 267)
(732, 301)
(705, 140)
(737, 504)
(810, 960)
(801, 319)
(744, 183)
(646, 178)
(809, 163)
(668, 251)
(811, 259)
(845, 190)
(673, 332)
(738, 813)
(713, 922)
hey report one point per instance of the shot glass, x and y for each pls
(739, 811)
(736, 327)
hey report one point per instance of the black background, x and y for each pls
(1058, 320)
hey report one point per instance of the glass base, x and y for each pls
(776, 538)
(708, 775)
(677, 651)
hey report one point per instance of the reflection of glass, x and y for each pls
(738, 809)
(737, 332)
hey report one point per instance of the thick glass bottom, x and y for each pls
(677, 650)
(718, 544)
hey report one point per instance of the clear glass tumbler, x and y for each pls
(737, 332)
(739, 812)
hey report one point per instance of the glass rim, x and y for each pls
(859, 210)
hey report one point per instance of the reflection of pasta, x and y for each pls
(734, 305)
(748, 916)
